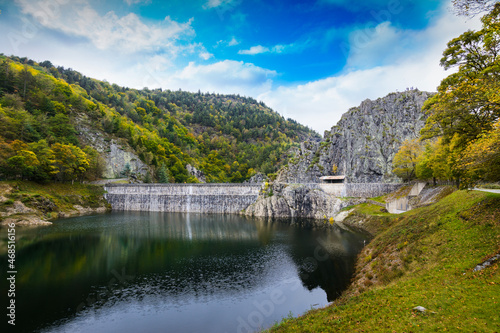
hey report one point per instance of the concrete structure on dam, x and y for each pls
(192, 198)
(218, 198)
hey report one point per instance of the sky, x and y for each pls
(308, 60)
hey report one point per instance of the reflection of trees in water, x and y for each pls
(169, 255)
(328, 261)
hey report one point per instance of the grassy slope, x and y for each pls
(52, 198)
(423, 258)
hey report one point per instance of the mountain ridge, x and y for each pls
(228, 138)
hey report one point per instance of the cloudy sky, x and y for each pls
(308, 60)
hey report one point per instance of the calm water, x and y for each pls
(167, 272)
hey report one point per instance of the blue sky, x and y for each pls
(308, 60)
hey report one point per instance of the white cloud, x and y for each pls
(233, 42)
(226, 76)
(135, 2)
(280, 48)
(217, 3)
(205, 55)
(127, 33)
(321, 103)
(358, 5)
(255, 50)
(379, 45)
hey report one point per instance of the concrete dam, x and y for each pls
(215, 198)
(183, 198)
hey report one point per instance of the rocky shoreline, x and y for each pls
(34, 209)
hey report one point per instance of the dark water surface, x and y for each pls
(169, 272)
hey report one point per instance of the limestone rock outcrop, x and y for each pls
(117, 153)
(363, 143)
(196, 173)
(297, 200)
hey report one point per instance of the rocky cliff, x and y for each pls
(280, 200)
(117, 154)
(363, 143)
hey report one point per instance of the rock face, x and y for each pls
(117, 158)
(196, 173)
(116, 153)
(363, 143)
(295, 200)
(257, 179)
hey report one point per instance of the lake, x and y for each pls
(172, 272)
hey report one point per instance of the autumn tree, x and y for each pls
(70, 162)
(23, 164)
(467, 104)
(468, 101)
(406, 159)
(481, 159)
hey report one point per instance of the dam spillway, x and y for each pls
(183, 198)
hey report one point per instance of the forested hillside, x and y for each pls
(43, 108)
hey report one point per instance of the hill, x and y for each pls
(362, 145)
(56, 123)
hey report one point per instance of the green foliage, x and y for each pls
(163, 174)
(467, 107)
(406, 159)
(228, 137)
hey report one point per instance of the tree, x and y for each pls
(126, 170)
(46, 170)
(69, 161)
(424, 168)
(405, 160)
(23, 164)
(472, 7)
(481, 159)
(468, 101)
(335, 169)
(163, 174)
(96, 164)
(466, 110)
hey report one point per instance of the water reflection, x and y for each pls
(193, 272)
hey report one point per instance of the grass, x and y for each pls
(380, 199)
(424, 257)
(491, 186)
(51, 198)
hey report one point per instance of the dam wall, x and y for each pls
(369, 190)
(192, 198)
(356, 190)
(216, 198)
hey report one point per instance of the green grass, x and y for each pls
(424, 257)
(51, 198)
(492, 186)
(372, 210)
(380, 199)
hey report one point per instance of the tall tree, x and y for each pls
(468, 101)
(406, 159)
